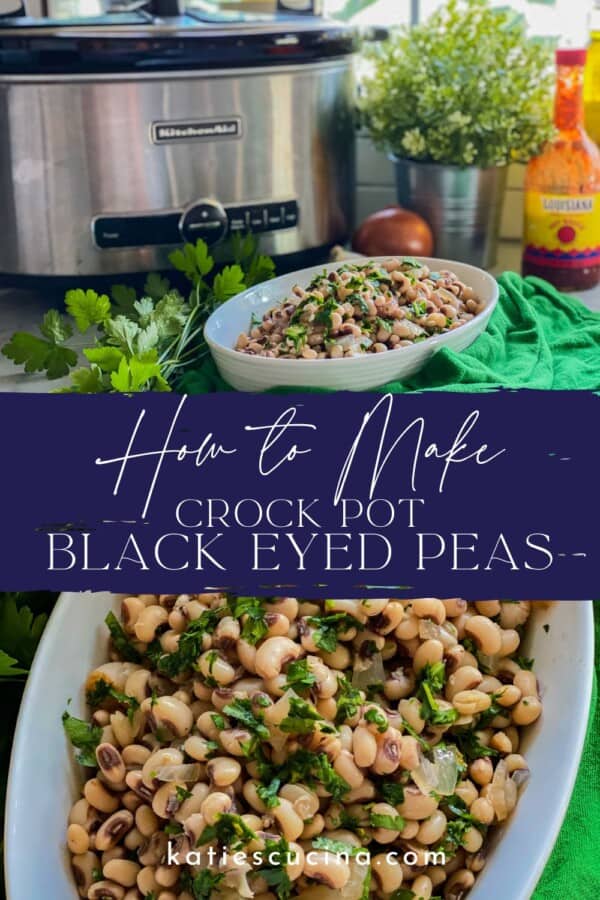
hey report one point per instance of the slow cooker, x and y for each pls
(124, 136)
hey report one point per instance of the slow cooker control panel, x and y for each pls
(206, 219)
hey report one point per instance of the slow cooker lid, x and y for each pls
(138, 42)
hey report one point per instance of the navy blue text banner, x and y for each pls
(437, 494)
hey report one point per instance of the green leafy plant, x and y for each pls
(466, 87)
(22, 621)
(144, 343)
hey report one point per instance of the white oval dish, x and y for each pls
(44, 780)
(358, 373)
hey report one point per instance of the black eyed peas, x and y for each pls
(361, 308)
(256, 724)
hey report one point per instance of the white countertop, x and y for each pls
(23, 311)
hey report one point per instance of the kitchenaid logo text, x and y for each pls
(196, 130)
(568, 204)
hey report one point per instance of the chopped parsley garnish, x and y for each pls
(182, 794)
(268, 793)
(201, 885)
(309, 768)
(470, 746)
(393, 823)
(242, 711)
(120, 640)
(493, 710)
(102, 690)
(173, 828)
(419, 308)
(524, 662)
(301, 719)
(190, 644)
(277, 854)
(392, 792)
(84, 737)
(218, 721)
(333, 846)
(454, 836)
(431, 681)
(229, 830)
(328, 627)
(299, 677)
(97, 874)
(410, 730)
(376, 717)
(297, 335)
(348, 699)
(323, 315)
(255, 627)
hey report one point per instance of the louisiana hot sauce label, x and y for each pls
(562, 232)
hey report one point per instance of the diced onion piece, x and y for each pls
(446, 633)
(368, 671)
(183, 773)
(439, 775)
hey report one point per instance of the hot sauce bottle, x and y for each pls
(562, 191)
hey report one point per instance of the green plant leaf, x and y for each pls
(107, 358)
(55, 327)
(194, 261)
(87, 308)
(28, 350)
(123, 297)
(156, 286)
(228, 283)
(9, 667)
(20, 629)
(122, 332)
(88, 381)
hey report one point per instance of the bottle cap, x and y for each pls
(569, 57)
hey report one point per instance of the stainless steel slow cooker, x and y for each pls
(122, 138)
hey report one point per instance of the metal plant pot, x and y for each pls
(462, 206)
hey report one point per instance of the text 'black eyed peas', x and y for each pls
(276, 748)
(362, 308)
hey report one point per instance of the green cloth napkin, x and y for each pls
(537, 338)
(573, 871)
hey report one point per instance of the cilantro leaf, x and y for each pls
(87, 307)
(84, 737)
(87, 381)
(524, 662)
